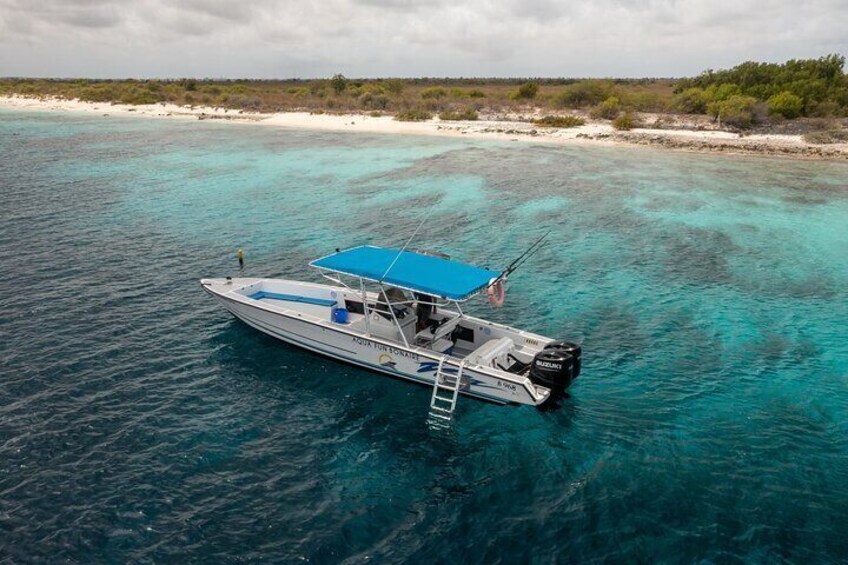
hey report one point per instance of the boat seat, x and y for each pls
(443, 346)
(427, 336)
(490, 352)
(446, 328)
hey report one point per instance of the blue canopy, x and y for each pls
(412, 271)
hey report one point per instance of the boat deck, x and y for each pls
(316, 301)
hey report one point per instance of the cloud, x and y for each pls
(281, 38)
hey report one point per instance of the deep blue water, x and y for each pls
(139, 422)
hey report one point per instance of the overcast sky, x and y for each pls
(370, 38)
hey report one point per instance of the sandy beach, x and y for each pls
(596, 132)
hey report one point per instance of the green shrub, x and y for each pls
(136, 97)
(559, 122)
(584, 93)
(608, 109)
(369, 100)
(463, 93)
(373, 88)
(338, 83)
(413, 116)
(625, 122)
(735, 111)
(526, 91)
(826, 109)
(95, 94)
(393, 86)
(434, 93)
(785, 104)
(300, 92)
(643, 101)
(690, 101)
(721, 92)
(469, 114)
(813, 80)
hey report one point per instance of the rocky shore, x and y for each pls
(664, 133)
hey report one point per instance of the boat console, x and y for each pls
(436, 330)
(381, 324)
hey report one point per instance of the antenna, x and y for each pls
(405, 245)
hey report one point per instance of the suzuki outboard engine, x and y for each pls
(556, 366)
(572, 349)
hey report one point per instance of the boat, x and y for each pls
(399, 312)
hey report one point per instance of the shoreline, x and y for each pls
(595, 132)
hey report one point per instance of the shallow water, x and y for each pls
(140, 422)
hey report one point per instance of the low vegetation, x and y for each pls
(820, 84)
(744, 96)
(785, 104)
(413, 116)
(625, 122)
(526, 91)
(737, 110)
(584, 93)
(468, 114)
(607, 110)
(559, 122)
(827, 136)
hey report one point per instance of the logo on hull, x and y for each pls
(386, 360)
(433, 366)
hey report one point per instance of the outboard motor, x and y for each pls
(556, 367)
(572, 349)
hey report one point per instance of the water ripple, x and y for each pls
(140, 423)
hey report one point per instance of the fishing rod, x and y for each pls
(529, 252)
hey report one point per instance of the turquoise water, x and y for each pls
(139, 422)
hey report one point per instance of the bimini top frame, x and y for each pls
(424, 274)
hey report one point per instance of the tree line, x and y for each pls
(741, 96)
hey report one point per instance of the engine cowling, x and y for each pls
(572, 349)
(556, 367)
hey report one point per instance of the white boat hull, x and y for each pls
(340, 342)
